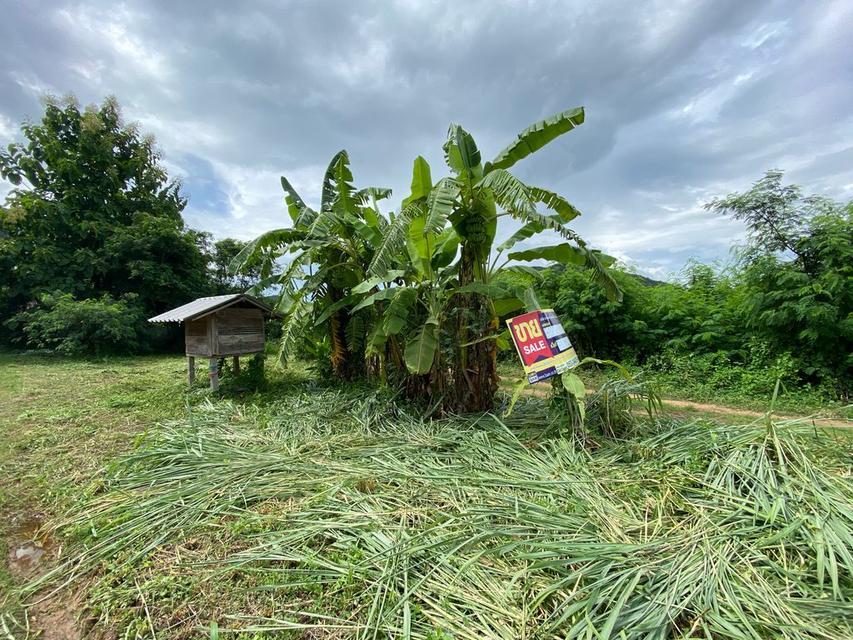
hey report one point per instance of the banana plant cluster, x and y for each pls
(315, 264)
(413, 297)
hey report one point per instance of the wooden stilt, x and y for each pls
(213, 372)
(236, 365)
(190, 370)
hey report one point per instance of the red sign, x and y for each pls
(543, 346)
(529, 338)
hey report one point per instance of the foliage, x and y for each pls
(777, 216)
(221, 254)
(96, 326)
(784, 308)
(346, 512)
(392, 293)
(329, 253)
(808, 310)
(252, 376)
(93, 213)
(802, 305)
(608, 410)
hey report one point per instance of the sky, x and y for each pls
(685, 100)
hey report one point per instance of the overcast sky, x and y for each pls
(684, 100)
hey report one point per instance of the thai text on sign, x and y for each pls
(542, 344)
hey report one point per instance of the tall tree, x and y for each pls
(329, 250)
(418, 312)
(777, 216)
(797, 274)
(220, 256)
(93, 212)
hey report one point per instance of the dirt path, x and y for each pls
(719, 409)
(714, 409)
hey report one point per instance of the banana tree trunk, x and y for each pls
(475, 376)
(345, 364)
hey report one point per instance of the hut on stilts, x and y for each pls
(219, 327)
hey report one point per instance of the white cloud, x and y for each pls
(765, 33)
(7, 129)
(256, 200)
(685, 100)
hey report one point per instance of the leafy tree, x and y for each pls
(76, 327)
(777, 216)
(92, 213)
(220, 256)
(472, 200)
(783, 308)
(797, 275)
(599, 326)
(392, 292)
(329, 251)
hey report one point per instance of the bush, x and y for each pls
(749, 375)
(95, 326)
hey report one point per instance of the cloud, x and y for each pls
(685, 100)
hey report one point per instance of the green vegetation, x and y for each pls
(386, 485)
(94, 225)
(72, 327)
(391, 296)
(310, 509)
(730, 334)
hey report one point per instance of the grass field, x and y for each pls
(306, 510)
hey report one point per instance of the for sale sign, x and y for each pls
(542, 344)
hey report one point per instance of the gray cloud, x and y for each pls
(684, 101)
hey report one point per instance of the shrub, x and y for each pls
(94, 326)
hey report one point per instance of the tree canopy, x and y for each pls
(93, 216)
(93, 212)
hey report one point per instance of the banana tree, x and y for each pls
(472, 200)
(315, 264)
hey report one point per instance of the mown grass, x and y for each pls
(303, 510)
(345, 514)
(63, 420)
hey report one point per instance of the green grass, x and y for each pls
(63, 420)
(702, 387)
(306, 510)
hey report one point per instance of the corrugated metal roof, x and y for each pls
(203, 306)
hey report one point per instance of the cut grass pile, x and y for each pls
(344, 514)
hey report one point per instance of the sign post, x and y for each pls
(542, 345)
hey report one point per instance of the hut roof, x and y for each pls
(204, 306)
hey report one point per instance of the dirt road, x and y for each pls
(684, 407)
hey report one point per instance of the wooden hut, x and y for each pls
(218, 327)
